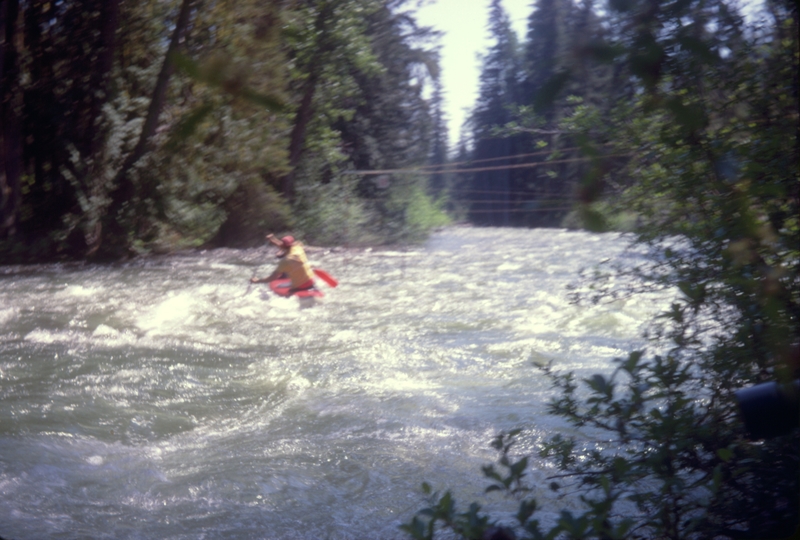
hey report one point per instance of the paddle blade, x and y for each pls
(326, 277)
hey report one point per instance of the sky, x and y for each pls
(464, 23)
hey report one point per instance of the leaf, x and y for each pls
(519, 467)
(446, 504)
(417, 529)
(526, 510)
(633, 361)
(598, 384)
(489, 472)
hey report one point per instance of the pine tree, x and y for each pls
(498, 95)
(438, 159)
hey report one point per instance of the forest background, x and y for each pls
(131, 128)
(138, 127)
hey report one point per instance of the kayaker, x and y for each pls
(293, 264)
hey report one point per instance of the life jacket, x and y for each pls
(295, 265)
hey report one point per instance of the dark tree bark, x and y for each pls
(126, 190)
(101, 75)
(304, 111)
(10, 137)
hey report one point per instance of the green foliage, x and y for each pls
(331, 213)
(252, 209)
(263, 93)
(705, 157)
(423, 214)
(220, 73)
(408, 213)
(605, 215)
(527, 94)
(472, 524)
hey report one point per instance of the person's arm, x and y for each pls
(274, 241)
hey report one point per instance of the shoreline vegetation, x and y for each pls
(149, 127)
(137, 128)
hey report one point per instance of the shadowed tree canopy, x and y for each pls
(108, 151)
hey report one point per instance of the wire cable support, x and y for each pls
(517, 210)
(501, 192)
(478, 169)
(514, 202)
(513, 156)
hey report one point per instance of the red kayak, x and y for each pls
(282, 287)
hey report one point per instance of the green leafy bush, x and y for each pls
(658, 448)
(331, 213)
(407, 213)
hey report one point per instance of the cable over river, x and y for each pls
(166, 399)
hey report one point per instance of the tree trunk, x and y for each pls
(297, 139)
(10, 138)
(126, 190)
(102, 74)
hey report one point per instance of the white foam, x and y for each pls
(105, 331)
(6, 315)
(80, 291)
(172, 313)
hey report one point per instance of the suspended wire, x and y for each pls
(512, 156)
(486, 160)
(517, 210)
(501, 192)
(514, 202)
(480, 169)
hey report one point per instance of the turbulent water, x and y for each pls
(167, 399)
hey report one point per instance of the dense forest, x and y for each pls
(133, 127)
(138, 127)
(677, 121)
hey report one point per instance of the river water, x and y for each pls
(167, 399)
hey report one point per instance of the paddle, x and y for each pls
(326, 277)
(250, 283)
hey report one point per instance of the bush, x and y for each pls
(659, 449)
(408, 214)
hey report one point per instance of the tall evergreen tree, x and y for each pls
(498, 95)
(660, 448)
(439, 151)
(560, 79)
(386, 122)
(104, 150)
(546, 47)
